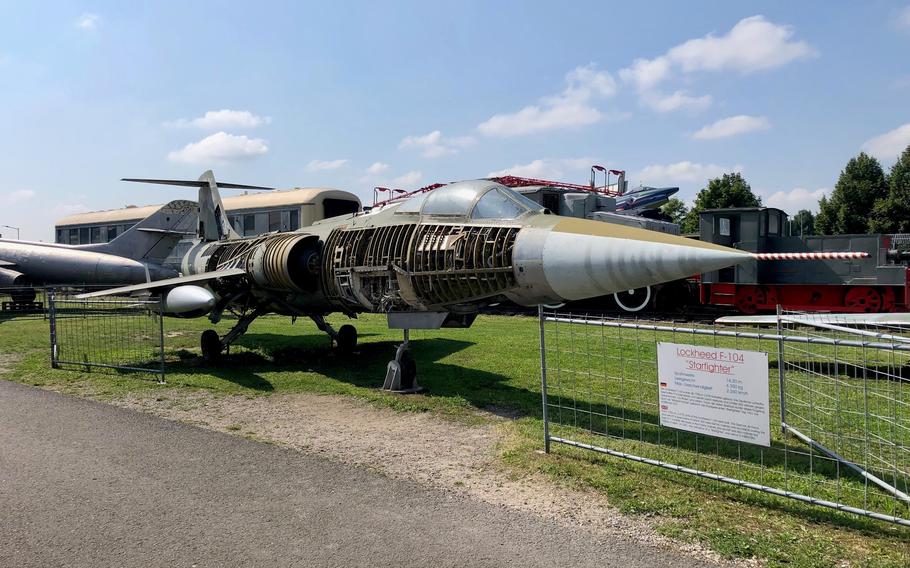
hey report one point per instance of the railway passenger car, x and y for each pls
(252, 214)
(878, 283)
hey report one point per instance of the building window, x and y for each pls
(96, 235)
(274, 221)
(111, 232)
(294, 222)
(249, 225)
(74, 236)
(60, 236)
(724, 226)
(83, 236)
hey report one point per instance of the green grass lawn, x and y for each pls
(494, 366)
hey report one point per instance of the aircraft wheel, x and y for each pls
(211, 345)
(23, 295)
(346, 338)
(408, 370)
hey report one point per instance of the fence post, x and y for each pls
(781, 372)
(543, 380)
(52, 319)
(161, 335)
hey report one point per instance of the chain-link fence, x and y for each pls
(813, 411)
(107, 333)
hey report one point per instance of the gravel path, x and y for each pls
(89, 484)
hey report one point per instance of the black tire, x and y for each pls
(211, 345)
(23, 295)
(346, 338)
(408, 370)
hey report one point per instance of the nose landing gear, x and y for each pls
(401, 372)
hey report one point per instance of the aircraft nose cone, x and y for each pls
(581, 259)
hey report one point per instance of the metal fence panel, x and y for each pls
(838, 400)
(107, 333)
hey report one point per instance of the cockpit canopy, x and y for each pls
(475, 200)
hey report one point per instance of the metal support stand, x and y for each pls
(401, 373)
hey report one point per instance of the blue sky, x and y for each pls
(353, 95)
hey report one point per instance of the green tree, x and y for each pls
(803, 223)
(860, 186)
(729, 190)
(675, 209)
(892, 214)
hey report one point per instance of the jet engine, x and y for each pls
(11, 278)
(285, 261)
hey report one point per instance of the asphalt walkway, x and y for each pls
(89, 484)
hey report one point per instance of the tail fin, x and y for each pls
(153, 238)
(213, 223)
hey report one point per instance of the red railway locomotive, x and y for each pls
(877, 283)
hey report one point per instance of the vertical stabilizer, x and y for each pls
(213, 222)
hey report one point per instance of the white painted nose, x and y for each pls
(579, 266)
(574, 259)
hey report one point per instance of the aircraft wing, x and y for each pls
(4, 263)
(898, 319)
(166, 283)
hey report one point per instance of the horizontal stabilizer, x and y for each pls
(164, 231)
(165, 284)
(196, 183)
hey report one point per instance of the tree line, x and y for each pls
(864, 200)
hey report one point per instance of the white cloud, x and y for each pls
(753, 44)
(324, 165)
(220, 148)
(17, 196)
(732, 126)
(547, 168)
(676, 101)
(572, 107)
(646, 73)
(88, 21)
(681, 172)
(888, 146)
(434, 144)
(221, 120)
(377, 168)
(796, 199)
(408, 180)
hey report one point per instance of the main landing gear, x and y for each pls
(401, 372)
(213, 346)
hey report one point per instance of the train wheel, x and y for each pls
(633, 300)
(863, 299)
(748, 298)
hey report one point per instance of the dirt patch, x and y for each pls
(7, 360)
(421, 448)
